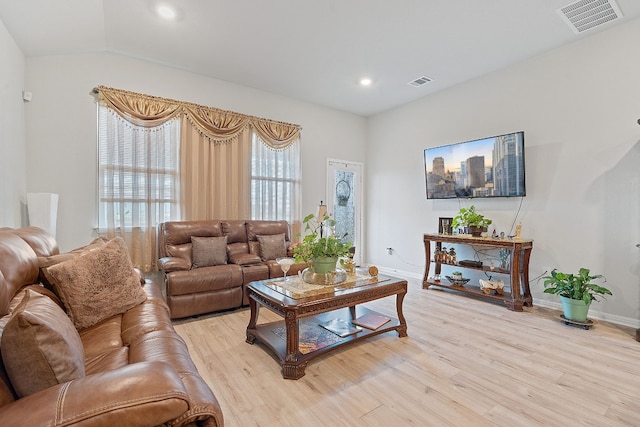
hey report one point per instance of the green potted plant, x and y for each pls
(468, 217)
(320, 251)
(576, 291)
(457, 275)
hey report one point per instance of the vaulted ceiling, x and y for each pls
(312, 50)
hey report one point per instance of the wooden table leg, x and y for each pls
(427, 253)
(253, 320)
(292, 367)
(402, 328)
(526, 290)
(516, 297)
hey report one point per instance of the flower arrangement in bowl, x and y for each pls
(321, 251)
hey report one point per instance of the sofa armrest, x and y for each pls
(148, 393)
(168, 264)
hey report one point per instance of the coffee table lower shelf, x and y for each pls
(314, 340)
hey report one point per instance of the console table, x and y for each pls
(518, 271)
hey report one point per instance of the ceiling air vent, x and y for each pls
(585, 15)
(420, 81)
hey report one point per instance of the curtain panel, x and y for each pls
(215, 176)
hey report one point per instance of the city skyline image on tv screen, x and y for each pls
(488, 167)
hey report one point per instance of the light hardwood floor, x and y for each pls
(465, 363)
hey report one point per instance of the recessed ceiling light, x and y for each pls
(366, 81)
(166, 12)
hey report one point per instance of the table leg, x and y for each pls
(526, 290)
(253, 320)
(427, 253)
(292, 367)
(516, 297)
(402, 328)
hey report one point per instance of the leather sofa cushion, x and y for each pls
(235, 231)
(19, 266)
(98, 284)
(204, 279)
(40, 346)
(209, 251)
(180, 232)
(272, 246)
(41, 241)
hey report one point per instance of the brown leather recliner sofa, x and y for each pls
(197, 285)
(129, 369)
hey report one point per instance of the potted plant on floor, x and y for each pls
(576, 291)
(468, 217)
(320, 250)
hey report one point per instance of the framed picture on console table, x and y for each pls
(444, 225)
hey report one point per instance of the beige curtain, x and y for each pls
(215, 176)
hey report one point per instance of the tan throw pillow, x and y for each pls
(208, 251)
(98, 284)
(40, 346)
(48, 261)
(272, 246)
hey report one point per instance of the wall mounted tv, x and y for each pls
(488, 167)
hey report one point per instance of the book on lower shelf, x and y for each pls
(371, 320)
(340, 327)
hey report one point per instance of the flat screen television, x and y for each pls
(487, 167)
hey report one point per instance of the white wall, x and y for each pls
(61, 134)
(579, 107)
(12, 133)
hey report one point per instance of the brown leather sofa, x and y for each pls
(221, 284)
(137, 369)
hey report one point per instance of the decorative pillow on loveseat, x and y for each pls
(208, 251)
(40, 345)
(98, 284)
(272, 246)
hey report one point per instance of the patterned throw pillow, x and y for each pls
(272, 246)
(208, 251)
(40, 346)
(98, 284)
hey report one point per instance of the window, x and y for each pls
(275, 182)
(137, 172)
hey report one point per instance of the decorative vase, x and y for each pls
(323, 265)
(574, 309)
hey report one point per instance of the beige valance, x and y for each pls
(215, 124)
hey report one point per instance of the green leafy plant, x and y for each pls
(456, 273)
(575, 286)
(468, 217)
(314, 246)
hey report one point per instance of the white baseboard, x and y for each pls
(594, 314)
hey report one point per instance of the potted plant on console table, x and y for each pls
(320, 250)
(576, 291)
(468, 217)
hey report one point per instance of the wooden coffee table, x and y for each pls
(298, 338)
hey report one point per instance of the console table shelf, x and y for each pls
(518, 272)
